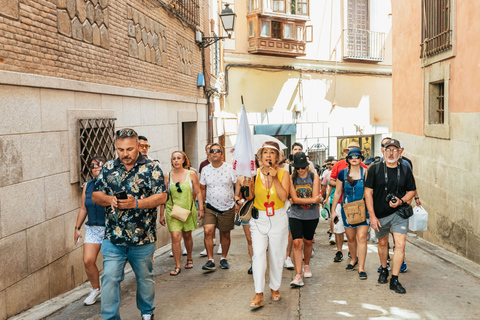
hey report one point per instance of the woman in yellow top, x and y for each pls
(270, 229)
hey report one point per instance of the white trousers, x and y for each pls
(271, 233)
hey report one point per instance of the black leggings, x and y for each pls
(303, 228)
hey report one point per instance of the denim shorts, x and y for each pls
(393, 223)
(94, 234)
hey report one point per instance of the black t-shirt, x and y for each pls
(377, 183)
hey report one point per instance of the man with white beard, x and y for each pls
(386, 189)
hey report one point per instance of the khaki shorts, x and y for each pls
(224, 221)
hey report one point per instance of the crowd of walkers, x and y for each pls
(279, 207)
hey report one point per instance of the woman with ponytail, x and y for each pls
(350, 182)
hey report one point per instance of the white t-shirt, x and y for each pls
(219, 183)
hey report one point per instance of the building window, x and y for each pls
(288, 30)
(360, 42)
(265, 32)
(97, 138)
(252, 5)
(437, 103)
(216, 57)
(251, 31)
(188, 11)
(302, 7)
(437, 82)
(276, 30)
(436, 30)
(299, 7)
(299, 33)
(279, 5)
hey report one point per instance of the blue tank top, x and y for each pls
(95, 213)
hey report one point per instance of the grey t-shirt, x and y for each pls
(304, 189)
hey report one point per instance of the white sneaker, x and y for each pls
(92, 297)
(332, 238)
(219, 251)
(297, 281)
(214, 244)
(288, 264)
(147, 317)
(203, 253)
(170, 254)
(184, 252)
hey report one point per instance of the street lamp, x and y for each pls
(228, 21)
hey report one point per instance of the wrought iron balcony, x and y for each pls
(362, 44)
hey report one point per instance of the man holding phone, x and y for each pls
(133, 187)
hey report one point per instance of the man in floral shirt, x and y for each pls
(130, 223)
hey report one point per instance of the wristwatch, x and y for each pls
(416, 198)
(77, 228)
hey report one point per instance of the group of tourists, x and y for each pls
(283, 200)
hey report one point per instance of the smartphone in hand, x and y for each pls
(121, 195)
(335, 221)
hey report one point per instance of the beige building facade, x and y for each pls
(436, 114)
(128, 62)
(317, 72)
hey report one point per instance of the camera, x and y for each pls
(390, 197)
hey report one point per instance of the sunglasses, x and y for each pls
(145, 146)
(354, 157)
(178, 187)
(96, 165)
(125, 133)
(215, 151)
(302, 168)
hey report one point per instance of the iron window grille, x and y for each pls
(96, 138)
(436, 28)
(437, 109)
(188, 11)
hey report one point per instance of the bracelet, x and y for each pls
(402, 200)
(136, 203)
(416, 198)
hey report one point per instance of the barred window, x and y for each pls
(189, 11)
(437, 103)
(97, 138)
(436, 27)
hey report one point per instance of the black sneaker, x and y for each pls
(209, 266)
(250, 271)
(395, 285)
(338, 257)
(383, 277)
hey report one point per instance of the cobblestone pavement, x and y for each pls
(436, 288)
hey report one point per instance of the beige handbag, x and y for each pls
(245, 212)
(179, 213)
(355, 212)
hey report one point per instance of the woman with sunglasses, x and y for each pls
(182, 184)
(270, 229)
(304, 215)
(95, 230)
(351, 182)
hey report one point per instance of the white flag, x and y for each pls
(243, 155)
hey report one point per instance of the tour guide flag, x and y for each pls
(243, 155)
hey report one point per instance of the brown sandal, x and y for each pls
(175, 271)
(189, 264)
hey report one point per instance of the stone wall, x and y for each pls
(448, 181)
(126, 43)
(40, 197)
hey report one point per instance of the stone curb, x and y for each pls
(455, 259)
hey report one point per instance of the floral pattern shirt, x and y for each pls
(131, 227)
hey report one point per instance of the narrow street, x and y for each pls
(436, 289)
